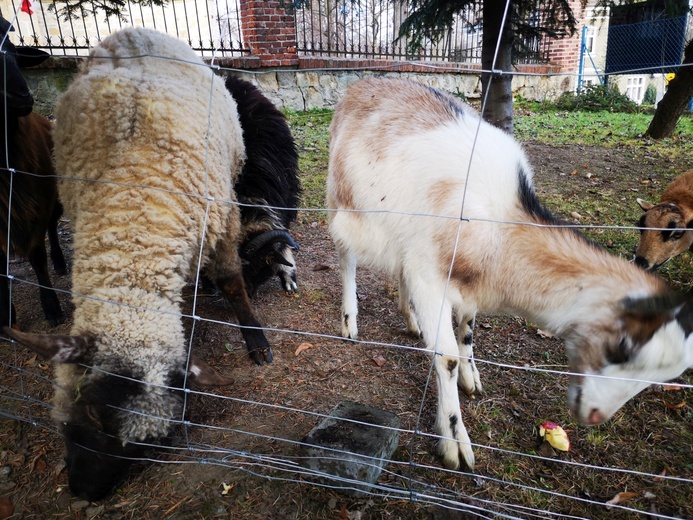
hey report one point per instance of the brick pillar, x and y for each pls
(269, 31)
(566, 52)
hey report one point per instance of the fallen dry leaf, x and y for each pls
(59, 466)
(6, 508)
(659, 478)
(675, 406)
(302, 347)
(39, 464)
(621, 497)
(576, 215)
(544, 334)
(321, 267)
(379, 360)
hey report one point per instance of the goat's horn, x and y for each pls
(54, 347)
(260, 241)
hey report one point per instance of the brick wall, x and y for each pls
(565, 53)
(269, 30)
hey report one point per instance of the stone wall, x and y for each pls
(306, 89)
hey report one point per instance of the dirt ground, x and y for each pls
(240, 455)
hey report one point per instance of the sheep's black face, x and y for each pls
(97, 459)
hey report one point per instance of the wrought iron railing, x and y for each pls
(208, 26)
(370, 29)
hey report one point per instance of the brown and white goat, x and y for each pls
(668, 221)
(421, 188)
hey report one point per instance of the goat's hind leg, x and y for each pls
(347, 271)
(469, 380)
(406, 309)
(8, 316)
(57, 256)
(438, 333)
(49, 299)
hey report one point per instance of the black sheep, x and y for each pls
(29, 194)
(268, 189)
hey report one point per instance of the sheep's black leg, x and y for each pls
(234, 290)
(49, 299)
(6, 308)
(57, 256)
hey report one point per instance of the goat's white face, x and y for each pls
(598, 394)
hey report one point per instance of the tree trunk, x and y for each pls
(675, 100)
(499, 105)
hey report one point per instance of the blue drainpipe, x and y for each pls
(582, 57)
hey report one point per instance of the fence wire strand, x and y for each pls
(288, 468)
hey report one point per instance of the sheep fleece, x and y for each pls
(148, 147)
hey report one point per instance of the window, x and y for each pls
(589, 39)
(635, 88)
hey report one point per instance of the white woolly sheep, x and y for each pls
(421, 188)
(668, 219)
(148, 146)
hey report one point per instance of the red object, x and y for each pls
(26, 7)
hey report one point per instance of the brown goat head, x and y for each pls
(666, 236)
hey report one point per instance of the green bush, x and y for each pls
(650, 97)
(594, 98)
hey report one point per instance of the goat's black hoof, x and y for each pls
(261, 356)
(56, 320)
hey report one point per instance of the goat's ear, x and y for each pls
(279, 259)
(204, 375)
(54, 347)
(685, 315)
(642, 317)
(652, 305)
(646, 206)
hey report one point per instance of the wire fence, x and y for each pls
(650, 47)
(258, 425)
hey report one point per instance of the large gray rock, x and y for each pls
(353, 453)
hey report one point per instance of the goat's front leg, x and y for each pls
(438, 333)
(469, 380)
(226, 271)
(233, 289)
(347, 270)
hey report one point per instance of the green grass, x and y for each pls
(311, 131)
(546, 124)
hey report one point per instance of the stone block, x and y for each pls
(356, 451)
